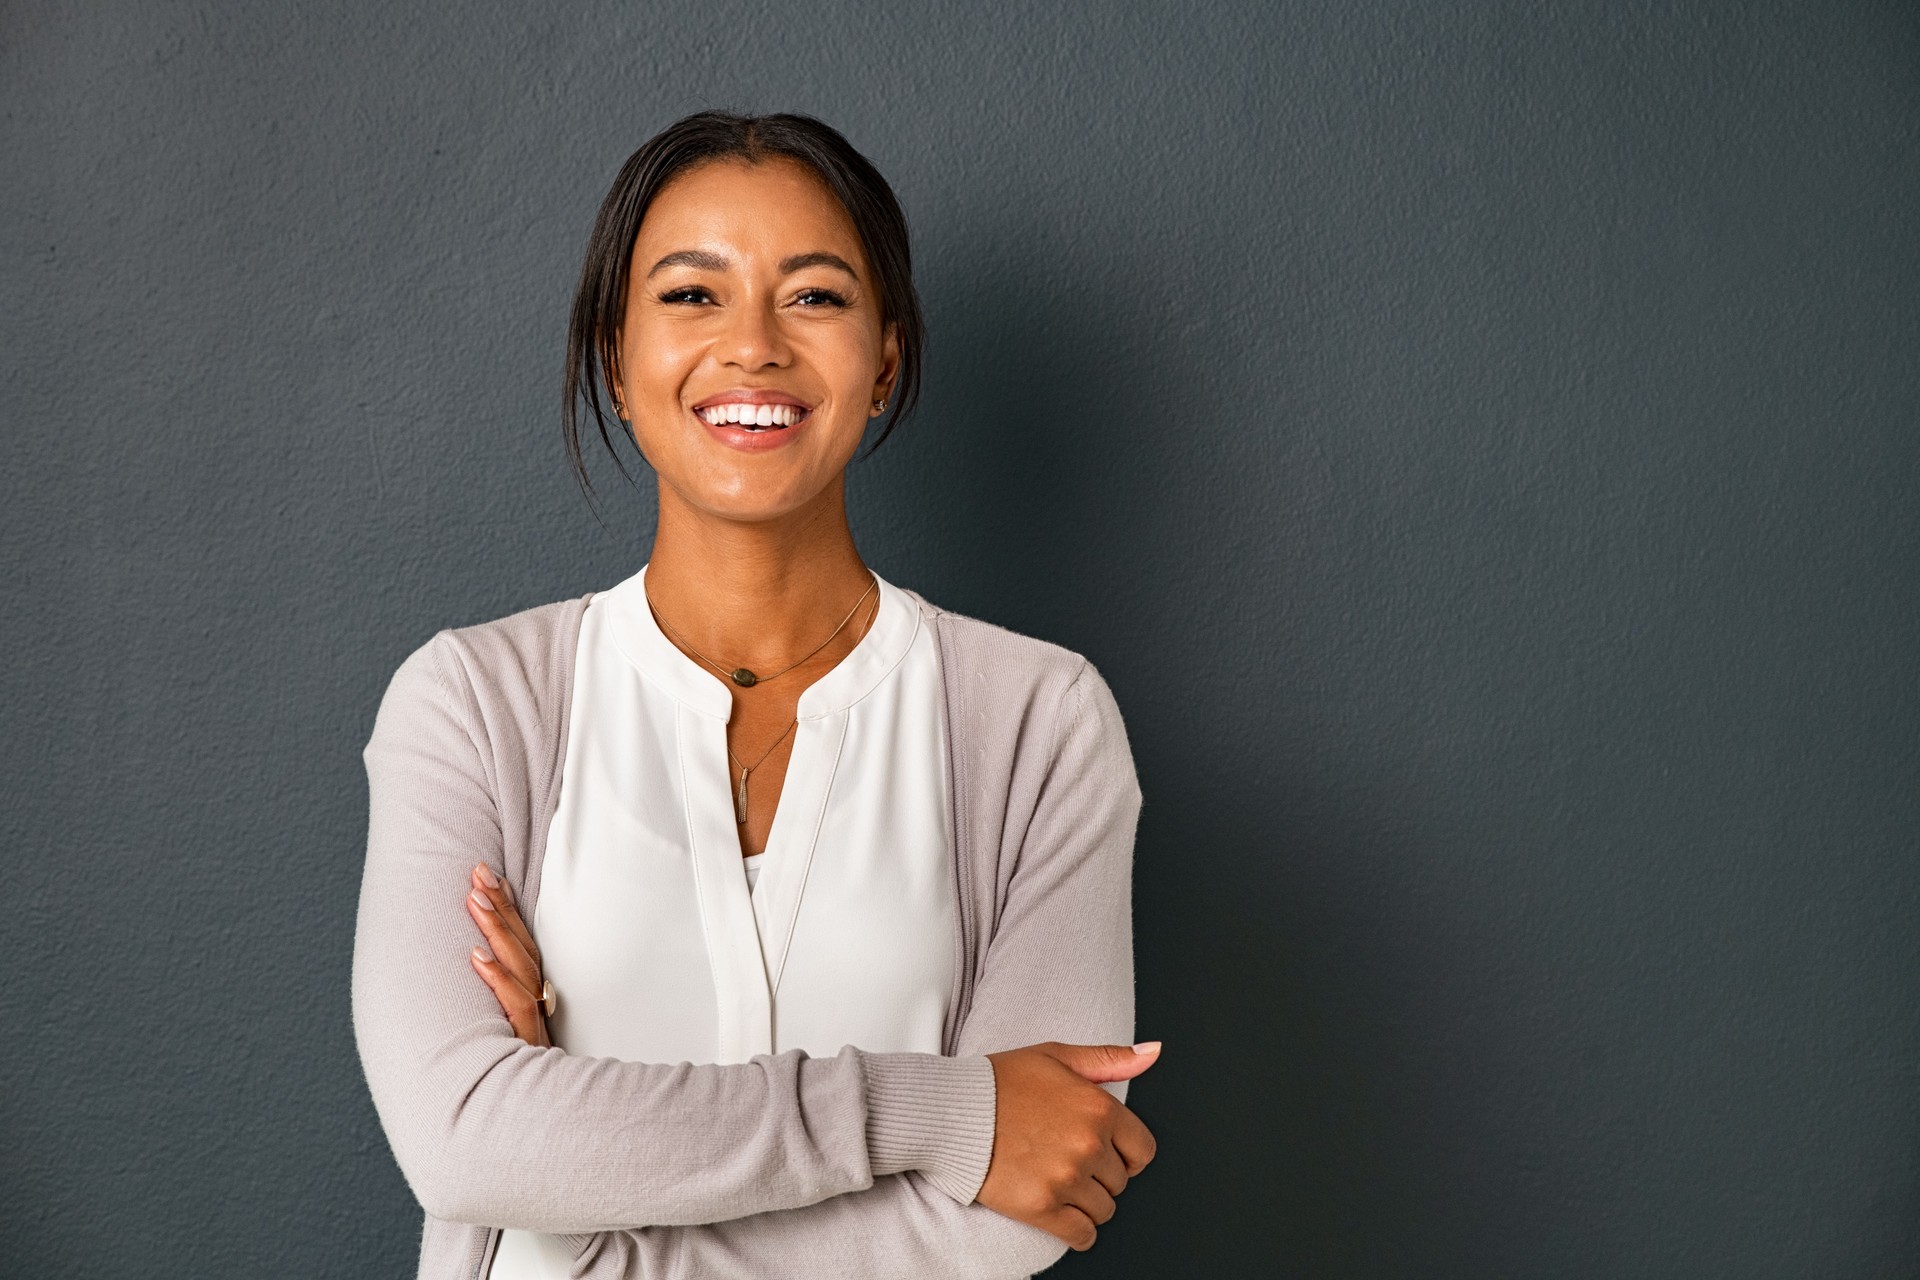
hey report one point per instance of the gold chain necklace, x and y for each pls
(746, 680)
(740, 795)
(740, 675)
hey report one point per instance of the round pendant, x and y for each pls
(745, 678)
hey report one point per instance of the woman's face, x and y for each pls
(753, 348)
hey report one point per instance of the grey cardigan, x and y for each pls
(861, 1164)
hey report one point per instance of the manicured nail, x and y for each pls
(487, 877)
(1147, 1046)
(483, 955)
(481, 898)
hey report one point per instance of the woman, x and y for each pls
(806, 902)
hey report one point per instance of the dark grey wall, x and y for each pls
(1476, 441)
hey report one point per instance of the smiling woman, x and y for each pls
(738, 312)
(802, 906)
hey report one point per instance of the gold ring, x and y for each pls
(547, 998)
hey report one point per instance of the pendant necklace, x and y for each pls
(747, 679)
(740, 675)
(740, 794)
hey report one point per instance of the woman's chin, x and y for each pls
(779, 473)
(759, 498)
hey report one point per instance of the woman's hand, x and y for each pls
(509, 963)
(1063, 1147)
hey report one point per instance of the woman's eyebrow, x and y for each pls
(701, 260)
(819, 258)
(689, 258)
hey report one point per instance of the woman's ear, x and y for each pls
(610, 380)
(889, 362)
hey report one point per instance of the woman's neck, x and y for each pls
(760, 594)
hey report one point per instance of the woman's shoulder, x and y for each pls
(1005, 676)
(989, 650)
(521, 643)
(522, 661)
(1023, 705)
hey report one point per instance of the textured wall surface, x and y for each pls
(1477, 442)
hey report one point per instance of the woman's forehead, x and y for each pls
(775, 210)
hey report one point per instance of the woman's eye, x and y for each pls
(693, 294)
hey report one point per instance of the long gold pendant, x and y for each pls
(740, 798)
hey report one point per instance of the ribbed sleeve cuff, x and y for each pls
(931, 1113)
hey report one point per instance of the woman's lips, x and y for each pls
(753, 428)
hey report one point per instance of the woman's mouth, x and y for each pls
(752, 420)
(753, 417)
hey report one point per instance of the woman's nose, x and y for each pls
(754, 339)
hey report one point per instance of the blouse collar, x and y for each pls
(698, 687)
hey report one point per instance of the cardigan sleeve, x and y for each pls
(489, 1129)
(1059, 967)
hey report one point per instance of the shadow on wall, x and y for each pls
(1029, 433)
(1073, 441)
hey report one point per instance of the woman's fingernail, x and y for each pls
(487, 877)
(506, 891)
(483, 955)
(1147, 1046)
(481, 898)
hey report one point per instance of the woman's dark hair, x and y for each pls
(593, 335)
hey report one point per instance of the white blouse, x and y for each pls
(661, 947)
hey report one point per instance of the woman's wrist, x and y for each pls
(933, 1114)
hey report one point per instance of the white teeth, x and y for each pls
(752, 415)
